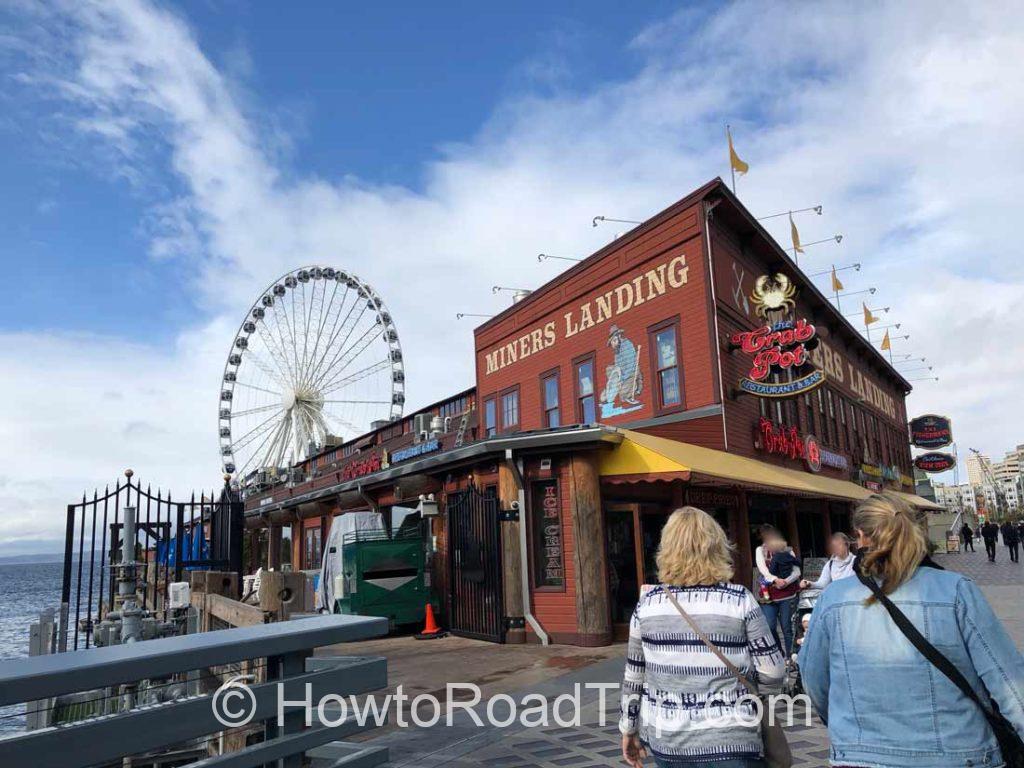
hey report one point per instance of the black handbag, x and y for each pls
(1010, 742)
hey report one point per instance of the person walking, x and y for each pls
(839, 565)
(885, 703)
(779, 594)
(680, 701)
(1011, 539)
(967, 536)
(990, 533)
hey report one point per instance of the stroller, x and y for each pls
(793, 684)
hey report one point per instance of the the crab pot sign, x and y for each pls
(780, 364)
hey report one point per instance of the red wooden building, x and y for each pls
(689, 361)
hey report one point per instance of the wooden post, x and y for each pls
(511, 553)
(740, 524)
(254, 551)
(593, 618)
(274, 548)
(678, 495)
(792, 529)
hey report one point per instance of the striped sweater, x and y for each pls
(677, 694)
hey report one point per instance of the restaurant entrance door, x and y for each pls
(632, 533)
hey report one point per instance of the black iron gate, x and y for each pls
(474, 556)
(171, 537)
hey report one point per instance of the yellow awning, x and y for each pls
(641, 454)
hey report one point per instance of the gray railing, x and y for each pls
(144, 699)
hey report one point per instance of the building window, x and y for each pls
(809, 414)
(510, 410)
(549, 397)
(490, 417)
(665, 363)
(833, 431)
(311, 554)
(586, 410)
(844, 434)
(453, 407)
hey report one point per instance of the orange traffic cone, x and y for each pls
(431, 630)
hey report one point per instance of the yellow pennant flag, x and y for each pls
(886, 344)
(734, 160)
(797, 248)
(837, 286)
(868, 317)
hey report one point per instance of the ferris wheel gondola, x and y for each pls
(316, 357)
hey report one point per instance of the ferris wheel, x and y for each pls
(317, 356)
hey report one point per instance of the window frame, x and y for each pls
(589, 357)
(545, 411)
(490, 400)
(503, 427)
(658, 405)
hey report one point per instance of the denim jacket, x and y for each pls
(885, 705)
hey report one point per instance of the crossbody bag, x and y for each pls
(1010, 743)
(776, 749)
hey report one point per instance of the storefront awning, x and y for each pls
(640, 456)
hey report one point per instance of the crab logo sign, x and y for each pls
(781, 346)
(774, 293)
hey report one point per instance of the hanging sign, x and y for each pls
(931, 431)
(934, 461)
(546, 524)
(428, 446)
(779, 346)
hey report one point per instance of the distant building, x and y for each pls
(977, 463)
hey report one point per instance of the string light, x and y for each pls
(544, 256)
(815, 208)
(838, 269)
(608, 218)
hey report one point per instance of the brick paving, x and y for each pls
(595, 742)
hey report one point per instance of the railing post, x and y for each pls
(179, 542)
(280, 668)
(65, 589)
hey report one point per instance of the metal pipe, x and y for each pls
(516, 467)
(714, 318)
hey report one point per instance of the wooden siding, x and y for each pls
(678, 235)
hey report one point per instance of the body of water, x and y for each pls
(26, 589)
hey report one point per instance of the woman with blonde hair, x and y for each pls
(906, 663)
(680, 700)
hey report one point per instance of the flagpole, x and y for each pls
(728, 136)
(838, 305)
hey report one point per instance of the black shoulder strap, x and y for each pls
(929, 651)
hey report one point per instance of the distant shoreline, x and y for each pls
(41, 559)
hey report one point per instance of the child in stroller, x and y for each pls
(793, 684)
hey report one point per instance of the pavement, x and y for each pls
(594, 740)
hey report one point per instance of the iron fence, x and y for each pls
(171, 537)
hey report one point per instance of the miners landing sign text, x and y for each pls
(776, 349)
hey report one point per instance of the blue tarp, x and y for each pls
(195, 546)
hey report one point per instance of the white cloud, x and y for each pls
(902, 119)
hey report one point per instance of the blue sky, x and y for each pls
(161, 163)
(375, 91)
